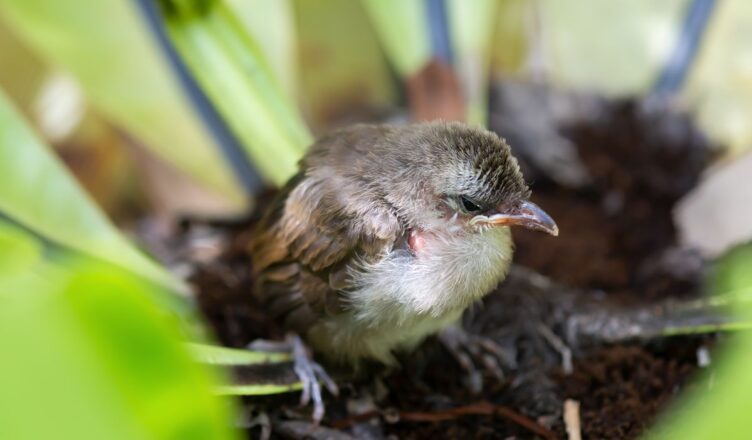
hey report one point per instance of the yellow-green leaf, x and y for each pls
(38, 192)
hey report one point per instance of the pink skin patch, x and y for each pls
(416, 241)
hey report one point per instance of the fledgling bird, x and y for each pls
(388, 234)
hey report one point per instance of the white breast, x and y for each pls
(403, 298)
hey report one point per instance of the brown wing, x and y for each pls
(305, 243)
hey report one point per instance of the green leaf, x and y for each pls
(403, 31)
(37, 191)
(732, 277)
(718, 407)
(105, 44)
(258, 389)
(90, 356)
(472, 26)
(217, 355)
(19, 251)
(356, 73)
(271, 23)
(233, 71)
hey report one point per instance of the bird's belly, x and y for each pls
(403, 298)
(345, 338)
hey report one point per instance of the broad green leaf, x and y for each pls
(403, 31)
(106, 45)
(271, 23)
(237, 78)
(90, 356)
(19, 251)
(718, 408)
(37, 191)
(340, 74)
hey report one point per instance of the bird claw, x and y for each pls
(472, 351)
(311, 375)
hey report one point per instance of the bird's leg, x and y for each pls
(310, 373)
(472, 351)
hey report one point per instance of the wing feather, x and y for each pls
(303, 247)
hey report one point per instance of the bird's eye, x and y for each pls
(469, 205)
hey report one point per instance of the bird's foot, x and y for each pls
(475, 354)
(310, 373)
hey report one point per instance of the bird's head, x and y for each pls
(470, 181)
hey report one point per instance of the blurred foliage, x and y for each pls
(511, 39)
(732, 274)
(106, 46)
(216, 355)
(403, 31)
(271, 24)
(22, 78)
(719, 86)
(233, 71)
(718, 406)
(472, 25)
(42, 196)
(615, 47)
(89, 355)
(89, 145)
(620, 48)
(340, 76)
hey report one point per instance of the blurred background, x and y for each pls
(176, 118)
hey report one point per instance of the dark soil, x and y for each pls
(621, 389)
(615, 233)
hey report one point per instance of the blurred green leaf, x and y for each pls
(107, 46)
(260, 389)
(718, 407)
(403, 31)
(472, 26)
(719, 86)
(19, 252)
(271, 23)
(341, 76)
(90, 356)
(613, 47)
(233, 71)
(37, 191)
(511, 38)
(732, 272)
(217, 355)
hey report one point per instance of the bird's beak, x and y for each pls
(527, 214)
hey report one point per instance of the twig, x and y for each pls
(572, 419)
(480, 408)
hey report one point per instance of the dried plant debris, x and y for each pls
(570, 304)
